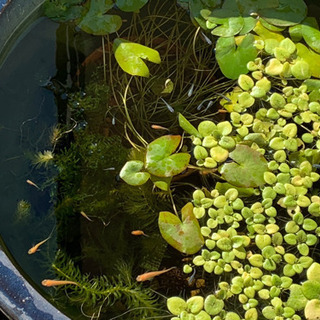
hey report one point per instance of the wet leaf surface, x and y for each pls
(97, 22)
(288, 13)
(233, 59)
(247, 170)
(160, 160)
(129, 55)
(184, 235)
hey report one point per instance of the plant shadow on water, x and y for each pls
(241, 184)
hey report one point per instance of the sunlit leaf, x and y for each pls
(289, 12)
(311, 36)
(129, 55)
(131, 173)
(97, 22)
(309, 56)
(130, 5)
(248, 167)
(184, 235)
(188, 127)
(265, 33)
(233, 60)
(160, 160)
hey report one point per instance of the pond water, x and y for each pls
(50, 77)
(28, 112)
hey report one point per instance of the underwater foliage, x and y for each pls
(98, 293)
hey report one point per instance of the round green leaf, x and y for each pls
(129, 5)
(248, 167)
(131, 174)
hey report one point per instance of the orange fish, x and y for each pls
(85, 215)
(157, 127)
(138, 233)
(149, 275)
(52, 283)
(32, 183)
(35, 248)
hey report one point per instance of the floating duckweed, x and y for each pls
(245, 82)
(200, 153)
(176, 305)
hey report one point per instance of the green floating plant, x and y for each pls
(184, 235)
(248, 167)
(130, 57)
(233, 58)
(95, 20)
(160, 164)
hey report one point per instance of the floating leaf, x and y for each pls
(131, 174)
(296, 299)
(129, 55)
(243, 192)
(63, 11)
(309, 56)
(184, 235)
(247, 170)
(96, 22)
(233, 60)
(159, 158)
(289, 13)
(312, 309)
(188, 127)
(130, 5)
(311, 36)
(229, 22)
(265, 34)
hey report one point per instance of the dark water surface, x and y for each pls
(27, 112)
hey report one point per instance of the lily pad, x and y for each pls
(159, 158)
(129, 5)
(184, 235)
(129, 55)
(311, 36)
(131, 174)
(96, 22)
(233, 59)
(247, 170)
(289, 13)
(63, 11)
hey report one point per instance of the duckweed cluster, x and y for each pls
(259, 238)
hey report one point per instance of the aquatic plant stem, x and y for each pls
(104, 59)
(124, 100)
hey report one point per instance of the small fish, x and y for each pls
(109, 169)
(206, 39)
(191, 90)
(167, 105)
(192, 278)
(35, 248)
(149, 275)
(209, 105)
(315, 165)
(157, 127)
(85, 216)
(200, 105)
(52, 283)
(32, 183)
(138, 233)
(113, 121)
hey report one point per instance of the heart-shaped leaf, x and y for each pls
(184, 235)
(247, 170)
(131, 174)
(129, 5)
(233, 60)
(96, 21)
(129, 55)
(159, 158)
